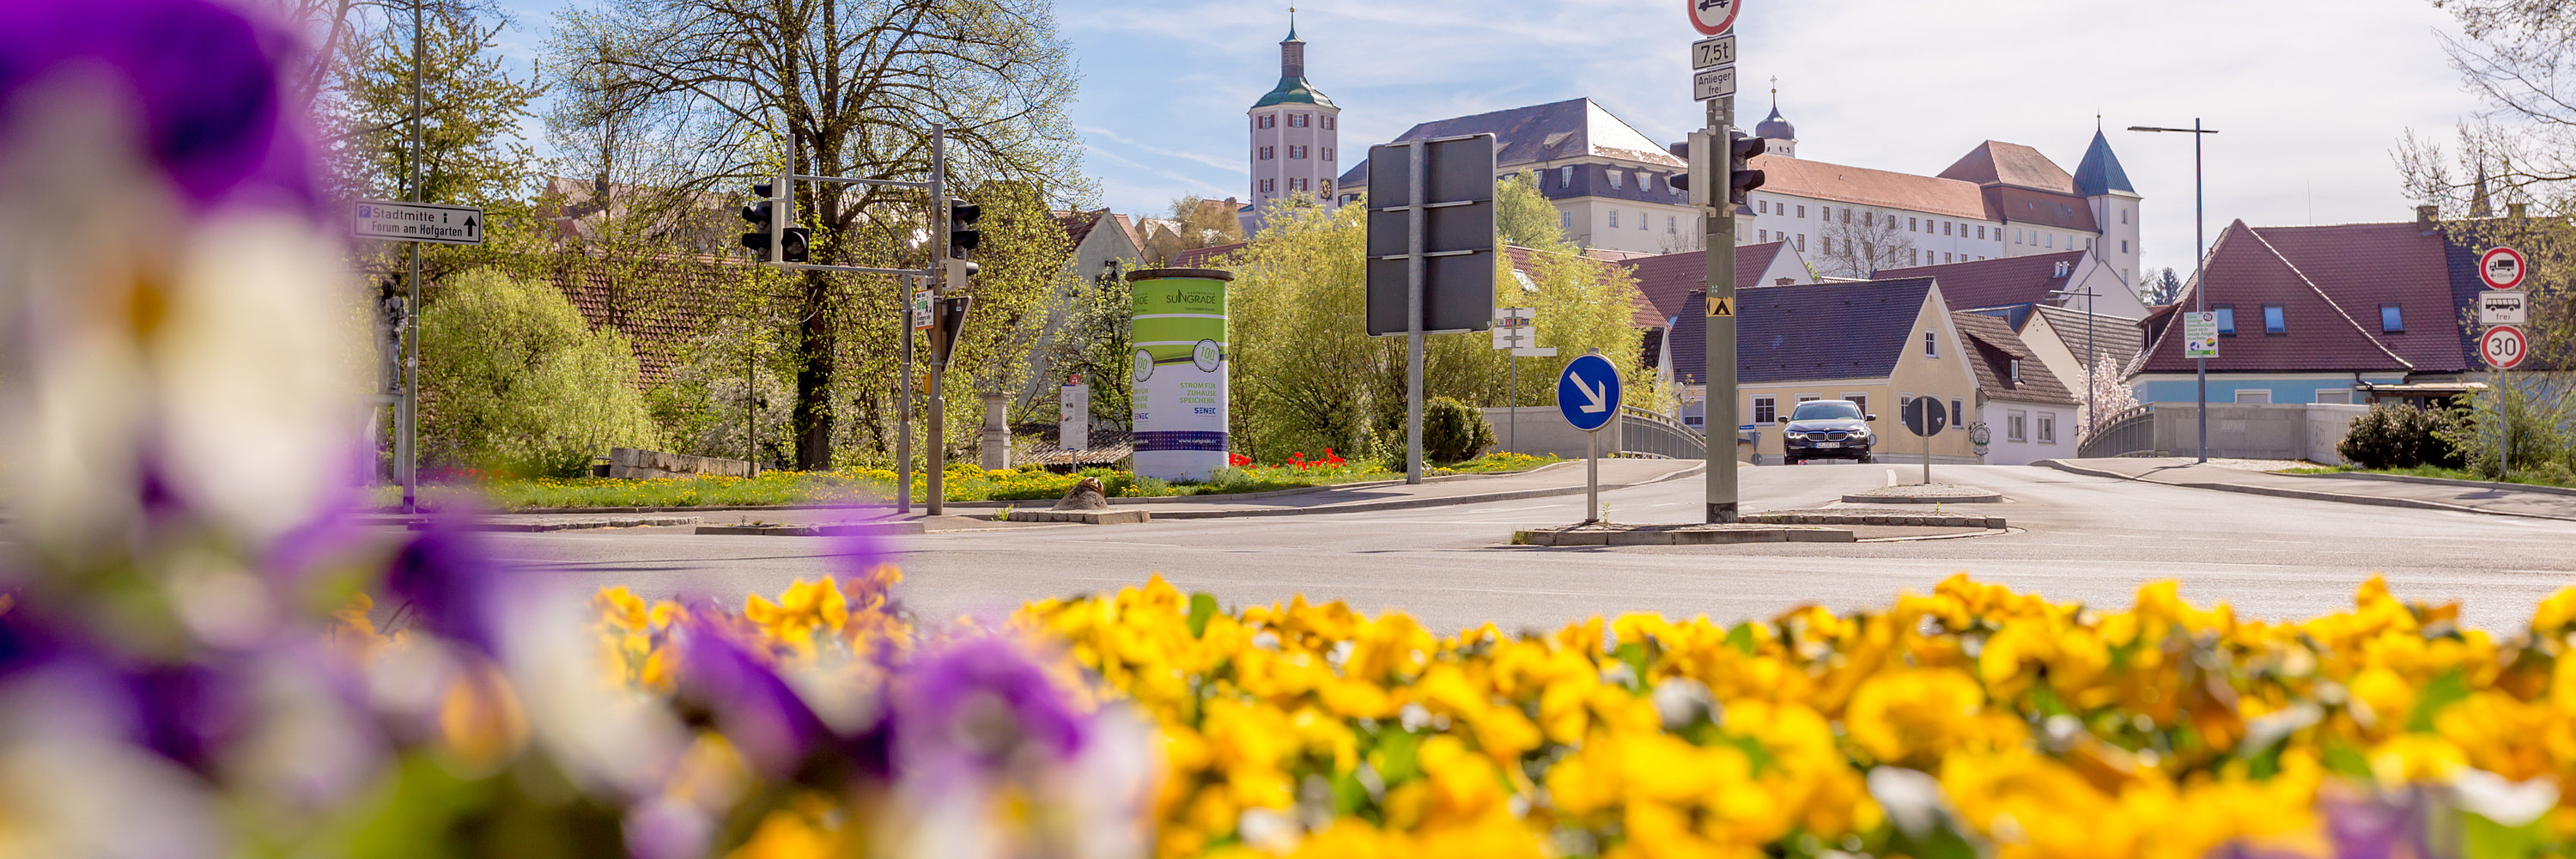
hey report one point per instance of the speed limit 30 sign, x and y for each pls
(2503, 347)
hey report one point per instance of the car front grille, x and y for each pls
(1837, 436)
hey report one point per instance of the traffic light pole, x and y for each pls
(1717, 410)
(407, 419)
(938, 453)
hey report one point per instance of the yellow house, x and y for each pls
(1879, 343)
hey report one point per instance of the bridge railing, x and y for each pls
(2129, 432)
(1646, 433)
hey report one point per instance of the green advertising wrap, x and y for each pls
(1179, 371)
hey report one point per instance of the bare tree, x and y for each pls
(1860, 243)
(850, 88)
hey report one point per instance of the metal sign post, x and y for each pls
(1430, 229)
(1713, 81)
(2502, 346)
(1588, 394)
(1924, 417)
(1515, 329)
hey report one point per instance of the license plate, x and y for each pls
(1826, 444)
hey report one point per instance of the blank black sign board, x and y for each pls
(1924, 416)
(1457, 241)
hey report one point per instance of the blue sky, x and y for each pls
(2310, 95)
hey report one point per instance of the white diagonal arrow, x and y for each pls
(1594, 394)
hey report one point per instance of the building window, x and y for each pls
(1297, 153)
(1909, 225)
(1564, 221)
(1645, 181)
(2012, 369)
(1946, 225)
(2254, 395)
(1298, 184)
(1270, 121)
(1614, 224)
(1761, 235)
(2226, 320)
(1981, 231)
(2274, 321)
(1915, 256)
(1564, 179)
(1267, 185)
(1829, 244)
(2051, 240)
(2014, 426)
(1672, 225)
(1762, 207)
(2124, 218)
(2342, 396)
(1957, 421)
(1802, 211)
(1858, 399)
(1864, 218)
(2124, 245)
(1809, 398)
(1946, 256)
(1614, 178)
(1802, 242)
(1846, 214)
(1328, 126)
(1328, 153)
(1265, 153)
(1931, 344)
(1766, 409)
(1296, 120)
(1642, 218)
(2047, 427)
(2391, 319)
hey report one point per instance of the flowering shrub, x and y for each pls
(1974, 721)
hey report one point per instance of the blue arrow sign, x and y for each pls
(1588, 393)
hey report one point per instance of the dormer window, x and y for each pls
(1614, 178)
(2013, 366)
(1565, 177)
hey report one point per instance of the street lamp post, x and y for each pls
(2199, 254)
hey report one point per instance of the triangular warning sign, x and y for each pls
(1721, 306)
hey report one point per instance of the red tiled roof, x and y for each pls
(2366, 266)
(1884, 188)
(662, 306)
(2047, 209)
(1212, 256)
(1996, 282)
(1996, 346)
(1995, 162)
(1666, 280)
(2245, 272)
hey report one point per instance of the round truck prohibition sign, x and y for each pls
(1713, 17)
(2502, 268)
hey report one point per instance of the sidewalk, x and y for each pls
(2498, 499)
(1555, 480)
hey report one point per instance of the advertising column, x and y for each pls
(1180, 371)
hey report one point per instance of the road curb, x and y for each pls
(1085, 517)
(1904, 519)
(420, 522)
(856, 529)
(2439, 481)
(1677, 535)
(2277, 492)
(1416, 503)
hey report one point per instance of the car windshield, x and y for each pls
(1825, 410)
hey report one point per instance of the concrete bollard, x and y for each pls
(997, 432)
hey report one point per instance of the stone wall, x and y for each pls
(2308, 431)
(626, 463)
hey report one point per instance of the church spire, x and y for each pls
(1292, 52)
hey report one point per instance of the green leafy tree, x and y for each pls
(514, 382)
(1524, 217)
(1306, 376)
(854, 88)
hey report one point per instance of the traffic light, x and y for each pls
(962, 235)
(1741, 178)
(762, 214)
(951, 324)
(762, 217)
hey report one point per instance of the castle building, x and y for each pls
(2000, 200)
(1294, 132)
(1610, 183)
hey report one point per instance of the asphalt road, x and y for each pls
(2077, 538)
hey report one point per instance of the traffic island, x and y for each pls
(1883, 518)
(1679, 535)
(1086, 517)
(845, 529)
(1925, 493)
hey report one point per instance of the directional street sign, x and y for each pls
(2502, 268)
(2498, 307)
(1713, 83)
(416, 222)
(1588, 392)
(1713, 17)
(2501, 346)
(1711, 53)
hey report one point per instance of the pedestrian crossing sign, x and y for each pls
(1721, 306)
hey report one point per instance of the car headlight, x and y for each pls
(1796, 435)
(1862, 432)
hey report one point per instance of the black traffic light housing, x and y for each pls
(1741, 178)
(760, 213)
(962, 235)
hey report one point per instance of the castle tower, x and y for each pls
(1294, 131)
(2105, 186)
(1778, 136)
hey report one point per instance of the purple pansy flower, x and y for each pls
(756, 709)
(200, 76)
(980, 703)
(446, 575)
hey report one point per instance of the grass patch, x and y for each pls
(2526, 478)
(874, 485)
